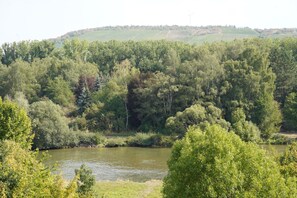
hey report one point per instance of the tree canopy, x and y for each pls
(216, 163)
(15, 124)
(146, 85)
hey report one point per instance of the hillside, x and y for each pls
(188, 34)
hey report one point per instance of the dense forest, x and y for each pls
(248, 86)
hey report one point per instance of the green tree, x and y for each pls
(22, 175)
(284, 64)
(50, 126)
(85, 180)
(153, 96)
(290, 111)
(20, 99)
(15, 124)
(76, 49)
(9, 53)
(41, 49)
(215, 163)
(26, 51)
(58, 91)
(122, 75)
(195, 115)
(21, 77)
(267, 115)
(112, 100)
(246, 130)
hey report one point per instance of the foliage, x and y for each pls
(288, 161)
(49, 125)
(154, 85)
(112, 111)
(26, 50)
(22, 175)
(215, 163)
(90, 139)
(15, 124)
(20, 77)
(283, 62)
(246, 130)
(85, 180)
(268, 116)
(116, 142)
(21, 100)
(195, 115)
(290, 111)
(58, 91)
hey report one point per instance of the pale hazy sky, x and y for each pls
(42, 19)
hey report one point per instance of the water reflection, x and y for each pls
(135, 164)
(125, 163)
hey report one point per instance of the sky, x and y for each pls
(43, 19)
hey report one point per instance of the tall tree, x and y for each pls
(215, 163)
(290, 112)
(15, 124)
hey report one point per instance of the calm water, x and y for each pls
(124, 163)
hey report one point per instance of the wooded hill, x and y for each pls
(188, 34)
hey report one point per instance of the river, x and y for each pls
(122, 163)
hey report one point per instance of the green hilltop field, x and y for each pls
(188, 34)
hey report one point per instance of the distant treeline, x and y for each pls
(248, 86)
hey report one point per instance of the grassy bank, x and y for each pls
(119, 189)
(88, 139)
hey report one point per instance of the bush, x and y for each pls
(195, 115)
(141, 139)
(90, 139)
(215, 163)
(49, 125)
(22, 175)
(150, 139)
(246, 130)
(85, 180)
(116, 142)
(162, 141)
(288, 161)
(280, 139)
(15, 124)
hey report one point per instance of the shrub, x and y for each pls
(246, 130)
(195, 115)
(288, 161)
(22, 175)
(140, 139)
(15, 124)
(85, 180)
(115, 142)
(90, 139)
(215, 163)
(49, 125)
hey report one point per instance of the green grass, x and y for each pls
(192, 35)
(119, 189)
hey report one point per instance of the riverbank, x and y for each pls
(119, 189)
(139, 139)
(282, 138)
(132, 139)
